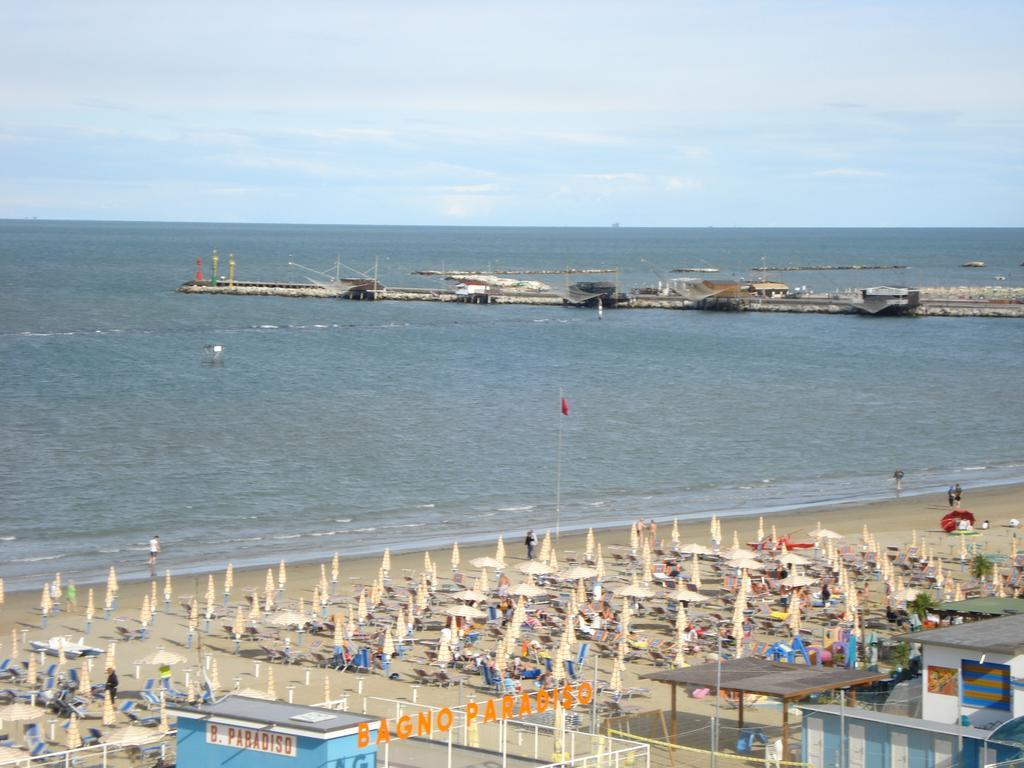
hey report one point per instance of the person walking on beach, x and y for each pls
(154, 550)
(112, 683)
(950, 496)
(653, 528)
(71, 597)
(957, 493)
(531, 543)
(898, 477)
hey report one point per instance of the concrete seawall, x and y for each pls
(936, 302)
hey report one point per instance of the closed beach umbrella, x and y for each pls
(112, 584)
(361, 610)
(144, 611)
(269, 583)
(317, 604)
(14, 642)
(444, 653)
(167, 586)
(760, 528)
(211, 588)
(484, 583)
(45, 603)
(388, 646)
(282, 577)
(327, 687)
(675, 533)
(164, 726)
(545, 546)
(553, 559)
(254, 610)
(401, 627)
(239, 623)
(385, 563)
(589, 549)
(335, 567)
(695, 572)
(110, 660)
(32, 672)
(793, 615)
(229, 578)
(626, 618)
(62, 658)
(109, 717)
(599, 565)
(85, 682)
(581, 592)
(214, 676)
(209, 606)
(74, 736)
(271, 688)
(499, 551)
(455, 556)
(534, 568)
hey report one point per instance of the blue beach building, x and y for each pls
(972, 707)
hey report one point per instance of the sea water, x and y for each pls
(351, 426)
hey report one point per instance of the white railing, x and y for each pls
(105, 754)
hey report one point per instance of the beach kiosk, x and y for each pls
(255, 733)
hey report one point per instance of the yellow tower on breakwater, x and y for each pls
(231, 270)
(216, 261)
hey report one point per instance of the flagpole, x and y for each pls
(558, 468)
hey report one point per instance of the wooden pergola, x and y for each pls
(788, 682)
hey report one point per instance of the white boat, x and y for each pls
(973, 264)
(72, 650)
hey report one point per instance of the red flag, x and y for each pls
(565, 407)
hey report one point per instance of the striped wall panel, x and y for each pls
(985, 685)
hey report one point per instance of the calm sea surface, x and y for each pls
(348, 426)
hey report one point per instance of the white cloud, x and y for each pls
(860, 173)
(636, 178)
(680, 183)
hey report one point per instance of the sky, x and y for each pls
(527, 113)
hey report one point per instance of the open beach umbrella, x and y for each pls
(465, 612)
(797, 580)
(20, 712)
(694, 549)
(684, 595)
(289, 619)
(745, 564)
(578, 572)
(469, 595)
(534, 568)
(825, 533)
(162, 657)
(486, 562)
(14, 756)
(791, 558)
(527, 589)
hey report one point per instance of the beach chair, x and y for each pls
(361, 661)
(581, 655)
(92, 737)
(34, 741)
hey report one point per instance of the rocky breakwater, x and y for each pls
(259, 289)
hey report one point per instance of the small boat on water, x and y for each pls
(975, 264)
(707, 270)
(72, 650)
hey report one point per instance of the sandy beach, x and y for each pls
(892, 523)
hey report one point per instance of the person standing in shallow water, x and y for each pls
(898, 477)
(154, 550)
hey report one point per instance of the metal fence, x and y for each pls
(157, 753)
